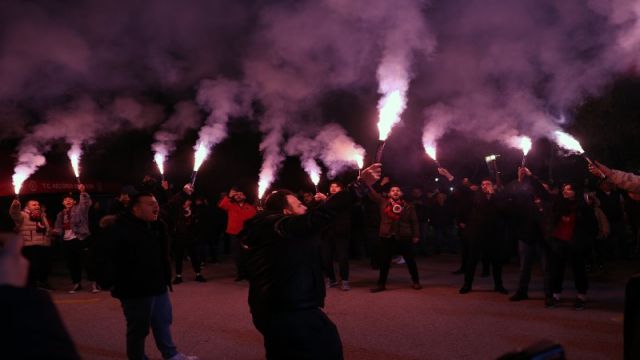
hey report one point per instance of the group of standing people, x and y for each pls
(286, 249)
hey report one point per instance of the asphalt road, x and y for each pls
(212, 319)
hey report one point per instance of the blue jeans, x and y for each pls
(145, 312)
(528, 253)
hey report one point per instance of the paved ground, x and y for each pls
(212, 320)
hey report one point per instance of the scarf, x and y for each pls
(66, 219)
(37, 218)
(394, 209)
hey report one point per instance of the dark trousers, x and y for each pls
(390, 246)
(476, 253)
(371, 245)
(528, 253)
(142, 313)
(238, 257)
(444, 239)
(465, 247)
(39, 263)
(336, 246)
(304, 334)
(563, 252)
(75, 254)
(182, 245)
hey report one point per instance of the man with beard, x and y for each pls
(138, 251)
(31, 223)
(238, 211)
(486, 236)
(529, 213)
(399, 231)
(284, 270)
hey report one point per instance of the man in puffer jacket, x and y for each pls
(32, 225)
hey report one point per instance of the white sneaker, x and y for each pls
(181, 356)
(95, 288)
(399, 260)
(76, 287)
(344, 285)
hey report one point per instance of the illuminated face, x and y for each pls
(334, 188)
(33, 205)
(239, 197)
(395, 193)
(68, 202)
(568, 192)
(487, 187)
(416, 193)
(147, 209)
(295, 206)
(124, 198)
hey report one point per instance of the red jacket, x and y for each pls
(236, 214)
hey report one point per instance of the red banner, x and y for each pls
(59, 187)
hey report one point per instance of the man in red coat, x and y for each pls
(238, 211)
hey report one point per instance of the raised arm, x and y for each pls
(15, 211)
(316, 219)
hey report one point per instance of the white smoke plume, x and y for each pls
(318, 46)
(185, 117)
(407, 33)
(80, 123)
(223, 99)
(508, 68)
(337, 151)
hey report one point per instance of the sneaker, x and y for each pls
(416, 286)
(399, 260)
(464, 289)
(344, 285)
(458, 272)
(378, 289)
(177, 280)
(500, 289)
(76, 287)
(181, 356)
(239, 278)
(519, 296)
(95, 288)
(331, 283)
(579, 305)
(200, 278)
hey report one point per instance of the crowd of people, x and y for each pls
(137, 247)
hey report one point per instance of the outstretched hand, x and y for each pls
(599, 170)
(444, 172)
(371, 174)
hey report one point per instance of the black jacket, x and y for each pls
(31, 326)
(284, 265)
(139, 253)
